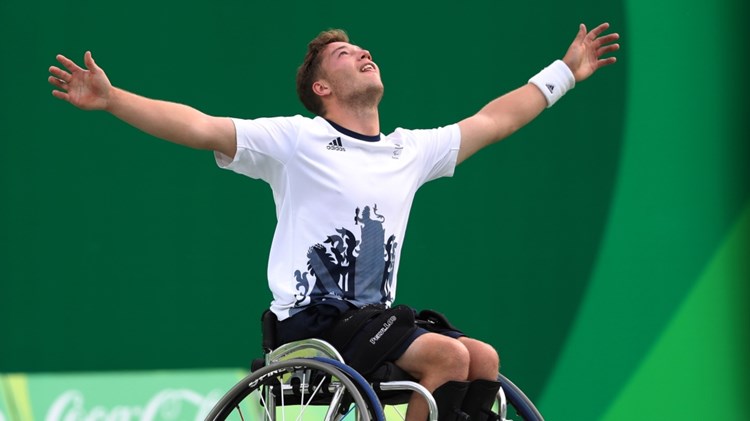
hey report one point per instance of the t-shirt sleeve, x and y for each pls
(438, 150)
(263, 145)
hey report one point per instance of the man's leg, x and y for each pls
(434, 359)
(482, 390)
(437, 359)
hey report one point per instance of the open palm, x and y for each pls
(87, 89)
(584, 56)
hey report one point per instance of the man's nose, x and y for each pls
(364, 54)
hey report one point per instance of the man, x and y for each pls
(343, 192)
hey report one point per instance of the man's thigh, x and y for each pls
(433, 352)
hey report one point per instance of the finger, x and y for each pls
(62, 95)
(57, 82)
(60, 74)
(606, 39)
(606, 61)
(68, 63)
(607, 49)
(594, 34)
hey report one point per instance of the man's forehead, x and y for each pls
(338, 45)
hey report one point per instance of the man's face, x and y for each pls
(350, 72)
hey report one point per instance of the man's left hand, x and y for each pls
(584, 56)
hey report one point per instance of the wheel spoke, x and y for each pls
(264, 403)
(312, 395)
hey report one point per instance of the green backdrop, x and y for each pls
(603, 249)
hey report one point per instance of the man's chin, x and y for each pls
(369, 96)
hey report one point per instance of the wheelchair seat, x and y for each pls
(393, 385)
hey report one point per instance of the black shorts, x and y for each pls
(319, 320)
(398, 352)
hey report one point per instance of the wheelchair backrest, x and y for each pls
(268, 328)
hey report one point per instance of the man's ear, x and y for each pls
(321, 88)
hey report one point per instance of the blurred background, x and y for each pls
(604, 249)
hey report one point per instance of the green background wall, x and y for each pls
(603, 249)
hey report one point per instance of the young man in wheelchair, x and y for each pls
(343, 192)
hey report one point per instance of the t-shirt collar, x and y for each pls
(350, 133)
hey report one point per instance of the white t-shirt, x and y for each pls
(342, 203)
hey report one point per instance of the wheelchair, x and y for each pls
(309, 380)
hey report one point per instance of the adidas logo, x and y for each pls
(551, 88)
(335, 145)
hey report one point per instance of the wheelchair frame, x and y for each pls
(304, 362)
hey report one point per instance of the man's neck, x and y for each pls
(362, 121)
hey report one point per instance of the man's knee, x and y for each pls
(489, 354)
(449, 357)
(434, 355)
(455, 357)
(485, 361)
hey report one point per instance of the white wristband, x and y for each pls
(554, 80)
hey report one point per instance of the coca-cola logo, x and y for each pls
(166, 405)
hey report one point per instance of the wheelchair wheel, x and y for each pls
(296, 389)
(517, 404)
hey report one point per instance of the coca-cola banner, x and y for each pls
(121, 396)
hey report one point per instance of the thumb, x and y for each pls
(88, 59)
(581, 33)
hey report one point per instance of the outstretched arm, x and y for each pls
(508, 113)
(90, 89)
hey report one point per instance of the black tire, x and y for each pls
(519, 402)
(264, 376)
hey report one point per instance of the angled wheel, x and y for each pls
(294, 389)
(514, 404)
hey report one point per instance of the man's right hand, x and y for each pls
(88, 89)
